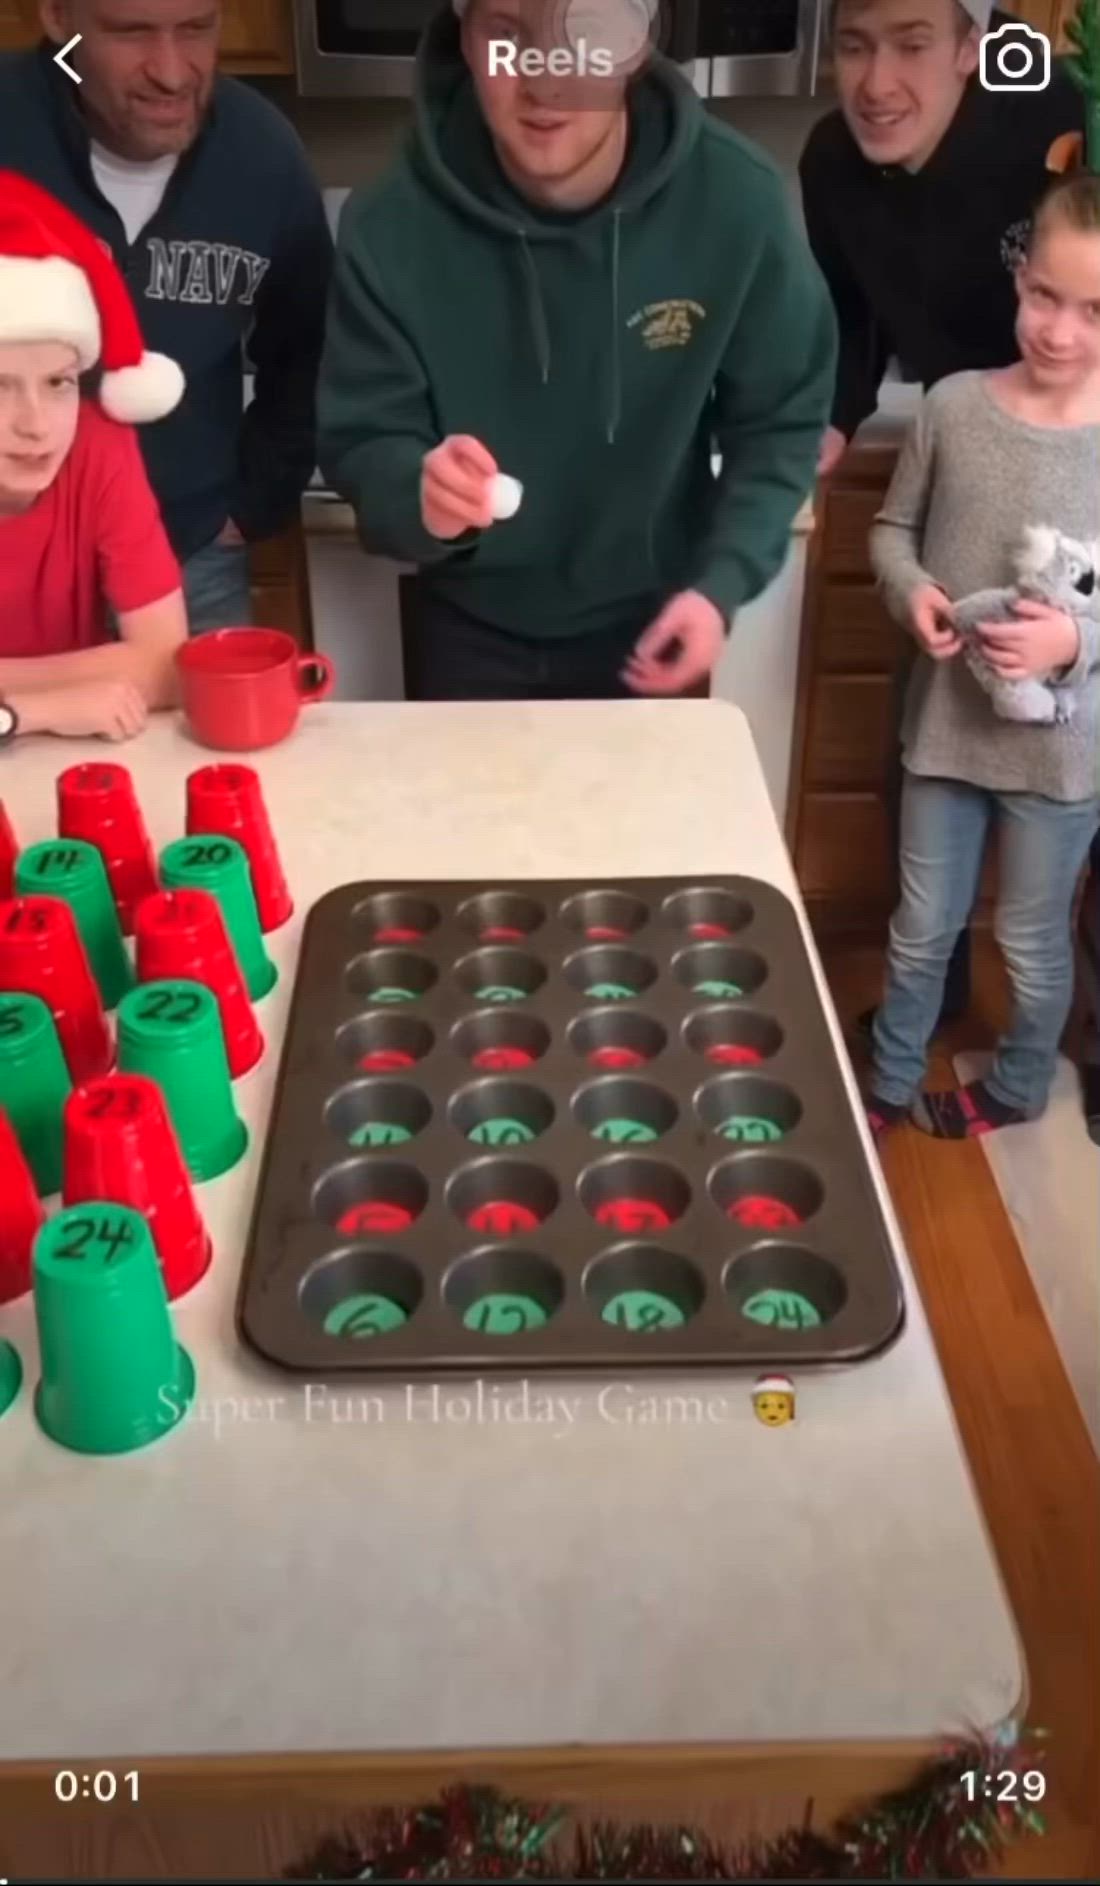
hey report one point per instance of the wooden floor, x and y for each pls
(1037, 1475)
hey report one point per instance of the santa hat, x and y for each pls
(59, 283)
(773, 1385)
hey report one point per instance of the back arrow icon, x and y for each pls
(60, 57)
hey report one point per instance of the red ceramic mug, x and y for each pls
(244, 688)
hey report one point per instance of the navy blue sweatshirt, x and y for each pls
(238, 252)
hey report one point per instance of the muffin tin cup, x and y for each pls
(501, 1040)
(720, 972)
(733, 1037)
(385, 1043)
(617, 1038)
(611, 972)
(501, 917)
(707, 915)
(501, 1112)
(623, 1110)
(604, 916)
(500, 974)
(771, 1246)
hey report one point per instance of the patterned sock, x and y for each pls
(882, 1115)
(963, 1112)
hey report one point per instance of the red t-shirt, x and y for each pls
(93, 539)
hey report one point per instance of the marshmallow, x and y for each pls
(506, 496)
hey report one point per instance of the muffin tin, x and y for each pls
(561, 1125)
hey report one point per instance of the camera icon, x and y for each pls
(1016, 58)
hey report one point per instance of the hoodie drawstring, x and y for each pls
(616, 376)
(541, 332)
(535, 307)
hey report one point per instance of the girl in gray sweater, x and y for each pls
(990, 457)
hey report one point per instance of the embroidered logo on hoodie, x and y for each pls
(667, 323)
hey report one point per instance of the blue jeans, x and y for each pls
(215, 587)
(1043, 846)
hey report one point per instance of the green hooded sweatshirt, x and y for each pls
(600, 356)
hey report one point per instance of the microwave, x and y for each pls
(728, 48)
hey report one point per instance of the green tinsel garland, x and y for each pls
(926, 1831)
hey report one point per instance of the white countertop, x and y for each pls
(269, 1578)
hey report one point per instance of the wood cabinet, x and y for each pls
(257, 35)
(852, 664)
(1048, 16)
(18, 24)
(279, 581)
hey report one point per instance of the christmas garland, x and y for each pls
(929, 1830)
(1072, 151)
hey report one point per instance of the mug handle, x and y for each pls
(323, 668)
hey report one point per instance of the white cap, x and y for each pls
(773, 1385)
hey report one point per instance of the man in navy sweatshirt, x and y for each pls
(203, 193)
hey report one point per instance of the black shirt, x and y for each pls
(920, 264)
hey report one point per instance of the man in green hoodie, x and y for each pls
(592, 287)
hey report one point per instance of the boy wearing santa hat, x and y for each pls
(81, 538)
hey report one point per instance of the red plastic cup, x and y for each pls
(229, 800)
(121, 1148)
(96, 801)
(9, 852)
(41, 953)
(21, 1214)
(182, 935)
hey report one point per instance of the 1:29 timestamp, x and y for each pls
(104, 1785)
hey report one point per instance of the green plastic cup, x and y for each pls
(11, 1376)
(114, 1377)
(220, 866)
(172, 1032)
(34, 1084)
(71, 869)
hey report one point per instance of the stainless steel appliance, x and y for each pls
(729, 48)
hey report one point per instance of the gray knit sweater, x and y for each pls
(969, 478)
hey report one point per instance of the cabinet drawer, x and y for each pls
(844, 849)
(855, 631)
(848, 519)
(852, 732)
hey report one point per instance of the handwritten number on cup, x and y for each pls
(109, 1236)
(26, 922)
(56, 862)
(169, 1005)
(214, 851)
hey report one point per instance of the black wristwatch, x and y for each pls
(9, 723)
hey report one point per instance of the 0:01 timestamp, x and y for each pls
(104, 1785)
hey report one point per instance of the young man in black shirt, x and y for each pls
(917, 193)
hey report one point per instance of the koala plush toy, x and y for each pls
(1049, 568)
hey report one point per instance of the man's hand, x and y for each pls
(455, 487)
(931, 622)
(1042, 638)
(229, 535)
(833, 447)
(115, 710)
(679, 648)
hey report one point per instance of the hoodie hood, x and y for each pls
(454, 153)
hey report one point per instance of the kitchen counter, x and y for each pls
(293, 1571)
